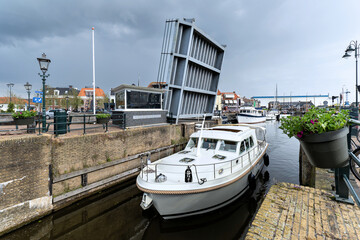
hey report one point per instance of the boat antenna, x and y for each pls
(201, 132)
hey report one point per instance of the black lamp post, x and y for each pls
(10, 85)
(67, 100)
(44, 65)
(353, 46)
(28, 89)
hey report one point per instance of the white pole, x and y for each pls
(93, 50)
(200, 137)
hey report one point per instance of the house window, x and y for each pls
(120, 100)
(88, 93)
(136, 100)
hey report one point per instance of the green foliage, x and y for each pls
(24, 114)
(10, 108)
(315, 121)
(102, 115)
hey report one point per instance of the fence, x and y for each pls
(62, 123)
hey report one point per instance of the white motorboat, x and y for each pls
(272, 114)
(216, 167)
(249, 115)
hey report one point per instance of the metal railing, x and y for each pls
(217, 170)
(342, 183)
(64, 123)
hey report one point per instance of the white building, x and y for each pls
(315, 99)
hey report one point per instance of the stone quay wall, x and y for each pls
(40, 174)
(24, 180)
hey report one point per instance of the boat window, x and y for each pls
(242, 147)
(192, 143)
(251, 142)
(209, 143)
(228, 146)
(247, 143)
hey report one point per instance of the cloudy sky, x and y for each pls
(297, 45)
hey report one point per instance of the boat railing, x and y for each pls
(210, 171)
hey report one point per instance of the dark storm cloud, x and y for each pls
(297, 44)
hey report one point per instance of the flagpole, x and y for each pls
(93, 51)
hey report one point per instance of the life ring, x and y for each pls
(266, 159)
(252, 181)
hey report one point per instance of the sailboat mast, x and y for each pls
(276, 94)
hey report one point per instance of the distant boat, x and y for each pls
(250, 115)
(271, 115)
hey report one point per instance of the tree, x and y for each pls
(10, 108)
(74, 99)
(101, 102)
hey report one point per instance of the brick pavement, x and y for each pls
(290, 211)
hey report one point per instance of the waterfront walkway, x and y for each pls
(290, 211)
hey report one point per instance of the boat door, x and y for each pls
(244, 158)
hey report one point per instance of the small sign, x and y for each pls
(39, 92)
(37, 99)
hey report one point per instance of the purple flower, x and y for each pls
(316, 120)
(20, 112)
(300, 134)
(312, 122)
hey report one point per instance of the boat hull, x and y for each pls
(250, 119)
(172, 206)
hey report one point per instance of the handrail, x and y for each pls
(352, 191)
(259, 149)
(79, 119)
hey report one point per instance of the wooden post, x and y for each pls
(307, 171)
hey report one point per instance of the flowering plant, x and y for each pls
(24, 114)
(315, 121)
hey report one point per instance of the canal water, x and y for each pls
(116, 214)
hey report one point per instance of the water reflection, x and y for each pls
(114, 214)
(284, 154)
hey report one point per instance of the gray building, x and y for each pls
(190, 64)
(138, 105)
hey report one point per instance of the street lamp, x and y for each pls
(44, 65)
(353, 46)
(10, 85)
(67, 100)
(28, 89)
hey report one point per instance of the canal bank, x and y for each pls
(292, 211)
(42, 174)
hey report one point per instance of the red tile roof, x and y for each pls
(222, 94)
(15, 100)
(98, 92)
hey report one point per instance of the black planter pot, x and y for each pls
(24, 121)
(102, 120)
(327, 150)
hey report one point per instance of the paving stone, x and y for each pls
(304, 213)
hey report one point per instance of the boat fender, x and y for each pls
(252, 181)
(266, 159)
(188, 175)
(266, 176)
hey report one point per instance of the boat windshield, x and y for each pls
(228, 146)
(192, 143)
(209, 143)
